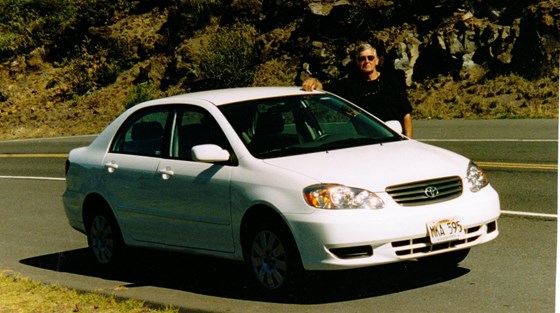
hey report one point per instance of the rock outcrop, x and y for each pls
(430, 38)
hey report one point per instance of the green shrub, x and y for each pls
(10, 41)
(42, 22)
(93, 67)
(229, 58)
(102, 12)
(56, 25)
(142, 92)
(276, 72)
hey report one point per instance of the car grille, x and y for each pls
(427, 191)
(422, 245)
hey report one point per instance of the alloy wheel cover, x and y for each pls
(269, 259)
(102, 239)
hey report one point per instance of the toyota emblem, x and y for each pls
(431, 192)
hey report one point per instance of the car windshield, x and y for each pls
(302, 124)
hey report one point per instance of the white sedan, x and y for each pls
(283, 179)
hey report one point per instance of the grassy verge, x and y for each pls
(476, 97)
(19, 294)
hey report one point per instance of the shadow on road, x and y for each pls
(223, 278)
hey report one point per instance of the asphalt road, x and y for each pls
(515, 273)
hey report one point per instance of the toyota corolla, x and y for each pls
(283, 179)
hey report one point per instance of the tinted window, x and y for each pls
(143, 134)
(303, 124)
(195, 126)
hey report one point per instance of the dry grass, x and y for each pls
(497, 98)
(18, 294)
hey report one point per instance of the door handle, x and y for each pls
(166, 173)
(111, 167)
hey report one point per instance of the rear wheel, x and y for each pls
(104, 238)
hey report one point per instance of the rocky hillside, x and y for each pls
(70, 67)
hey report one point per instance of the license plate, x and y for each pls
(445, 230)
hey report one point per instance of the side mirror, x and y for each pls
(395, 125)
(209, 153)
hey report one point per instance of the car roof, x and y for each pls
(232, 95)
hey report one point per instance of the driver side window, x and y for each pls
(196, 126)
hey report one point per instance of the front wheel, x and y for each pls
(273, 258)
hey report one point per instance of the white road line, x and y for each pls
(489, 140)
(34, 155)
(33, 178)
(529, 214)
(527, 166)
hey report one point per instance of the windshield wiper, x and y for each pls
(311, 147)
(361, 141)
(279, 152)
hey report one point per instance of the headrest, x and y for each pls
(269, 123)
(147, 131)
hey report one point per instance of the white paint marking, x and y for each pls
(33, 178)
(489, 140)
(531, 214)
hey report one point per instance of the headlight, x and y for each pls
(476, 177)
(341, 197)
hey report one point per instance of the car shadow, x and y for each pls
(229, 279)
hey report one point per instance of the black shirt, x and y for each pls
(384, 97)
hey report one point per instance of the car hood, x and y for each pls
(376, 166)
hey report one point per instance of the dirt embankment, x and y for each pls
(69, 69)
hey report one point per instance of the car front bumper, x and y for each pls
(344, 239)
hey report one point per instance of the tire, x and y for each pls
(446, 260)
(105, 239)
(273, 258)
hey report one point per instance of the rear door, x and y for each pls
(133, 182)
